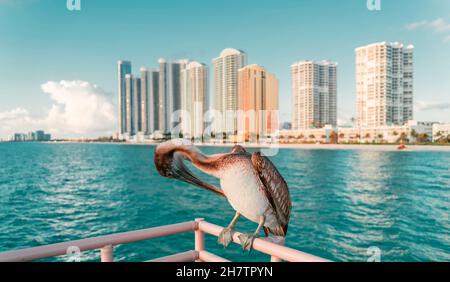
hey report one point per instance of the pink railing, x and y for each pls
(199, 226)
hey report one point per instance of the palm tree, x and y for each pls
(333, 137)
(438, 136)
(403, 137)
(380, 137)
(422, 138)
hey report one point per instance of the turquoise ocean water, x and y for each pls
(344, 201)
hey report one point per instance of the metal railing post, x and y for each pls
(199, 237)
(106, 253)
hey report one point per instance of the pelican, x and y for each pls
(250, 182)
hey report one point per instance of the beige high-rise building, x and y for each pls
(257, 101)
(272, 105)
(384, 84)
(314, 93)
(194, 99)
(225, 83)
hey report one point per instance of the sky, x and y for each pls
(58, 67)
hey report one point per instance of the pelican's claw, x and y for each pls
(247, 241)
(225, 236)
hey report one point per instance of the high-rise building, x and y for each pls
(384, 84)
(123, 68)
(272, 122)
(40, 135)
(314, 93)
(225, 83)
(257, 101)
(169, 93)
(194, 99)
(136, 109)
(149, 100)
(129, 105)
(31, 136)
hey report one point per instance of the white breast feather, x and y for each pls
(242, 188)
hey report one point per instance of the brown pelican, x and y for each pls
(250, 182)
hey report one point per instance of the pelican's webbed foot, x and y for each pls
(225, 236)
(247, 241)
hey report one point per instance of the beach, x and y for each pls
(362, 147)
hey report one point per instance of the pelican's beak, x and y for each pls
(181, 172)
(170, 163)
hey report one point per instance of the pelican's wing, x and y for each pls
(276, 190)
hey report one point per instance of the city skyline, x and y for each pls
(86, 70)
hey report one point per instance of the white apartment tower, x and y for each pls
(194, 99)
(384, 84)
(314, 93)
(225, 83)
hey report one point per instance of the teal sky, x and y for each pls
(41, 41)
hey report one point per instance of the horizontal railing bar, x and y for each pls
(96, 242)
(188, 256)
(264, 246)
(210, 257)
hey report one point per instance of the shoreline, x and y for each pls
(356, 147)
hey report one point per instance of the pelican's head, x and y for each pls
(169, 157)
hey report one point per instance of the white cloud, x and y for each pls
(438, 25)
(428, 106)
(416, 25)
(16, 119)
(79, 109)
